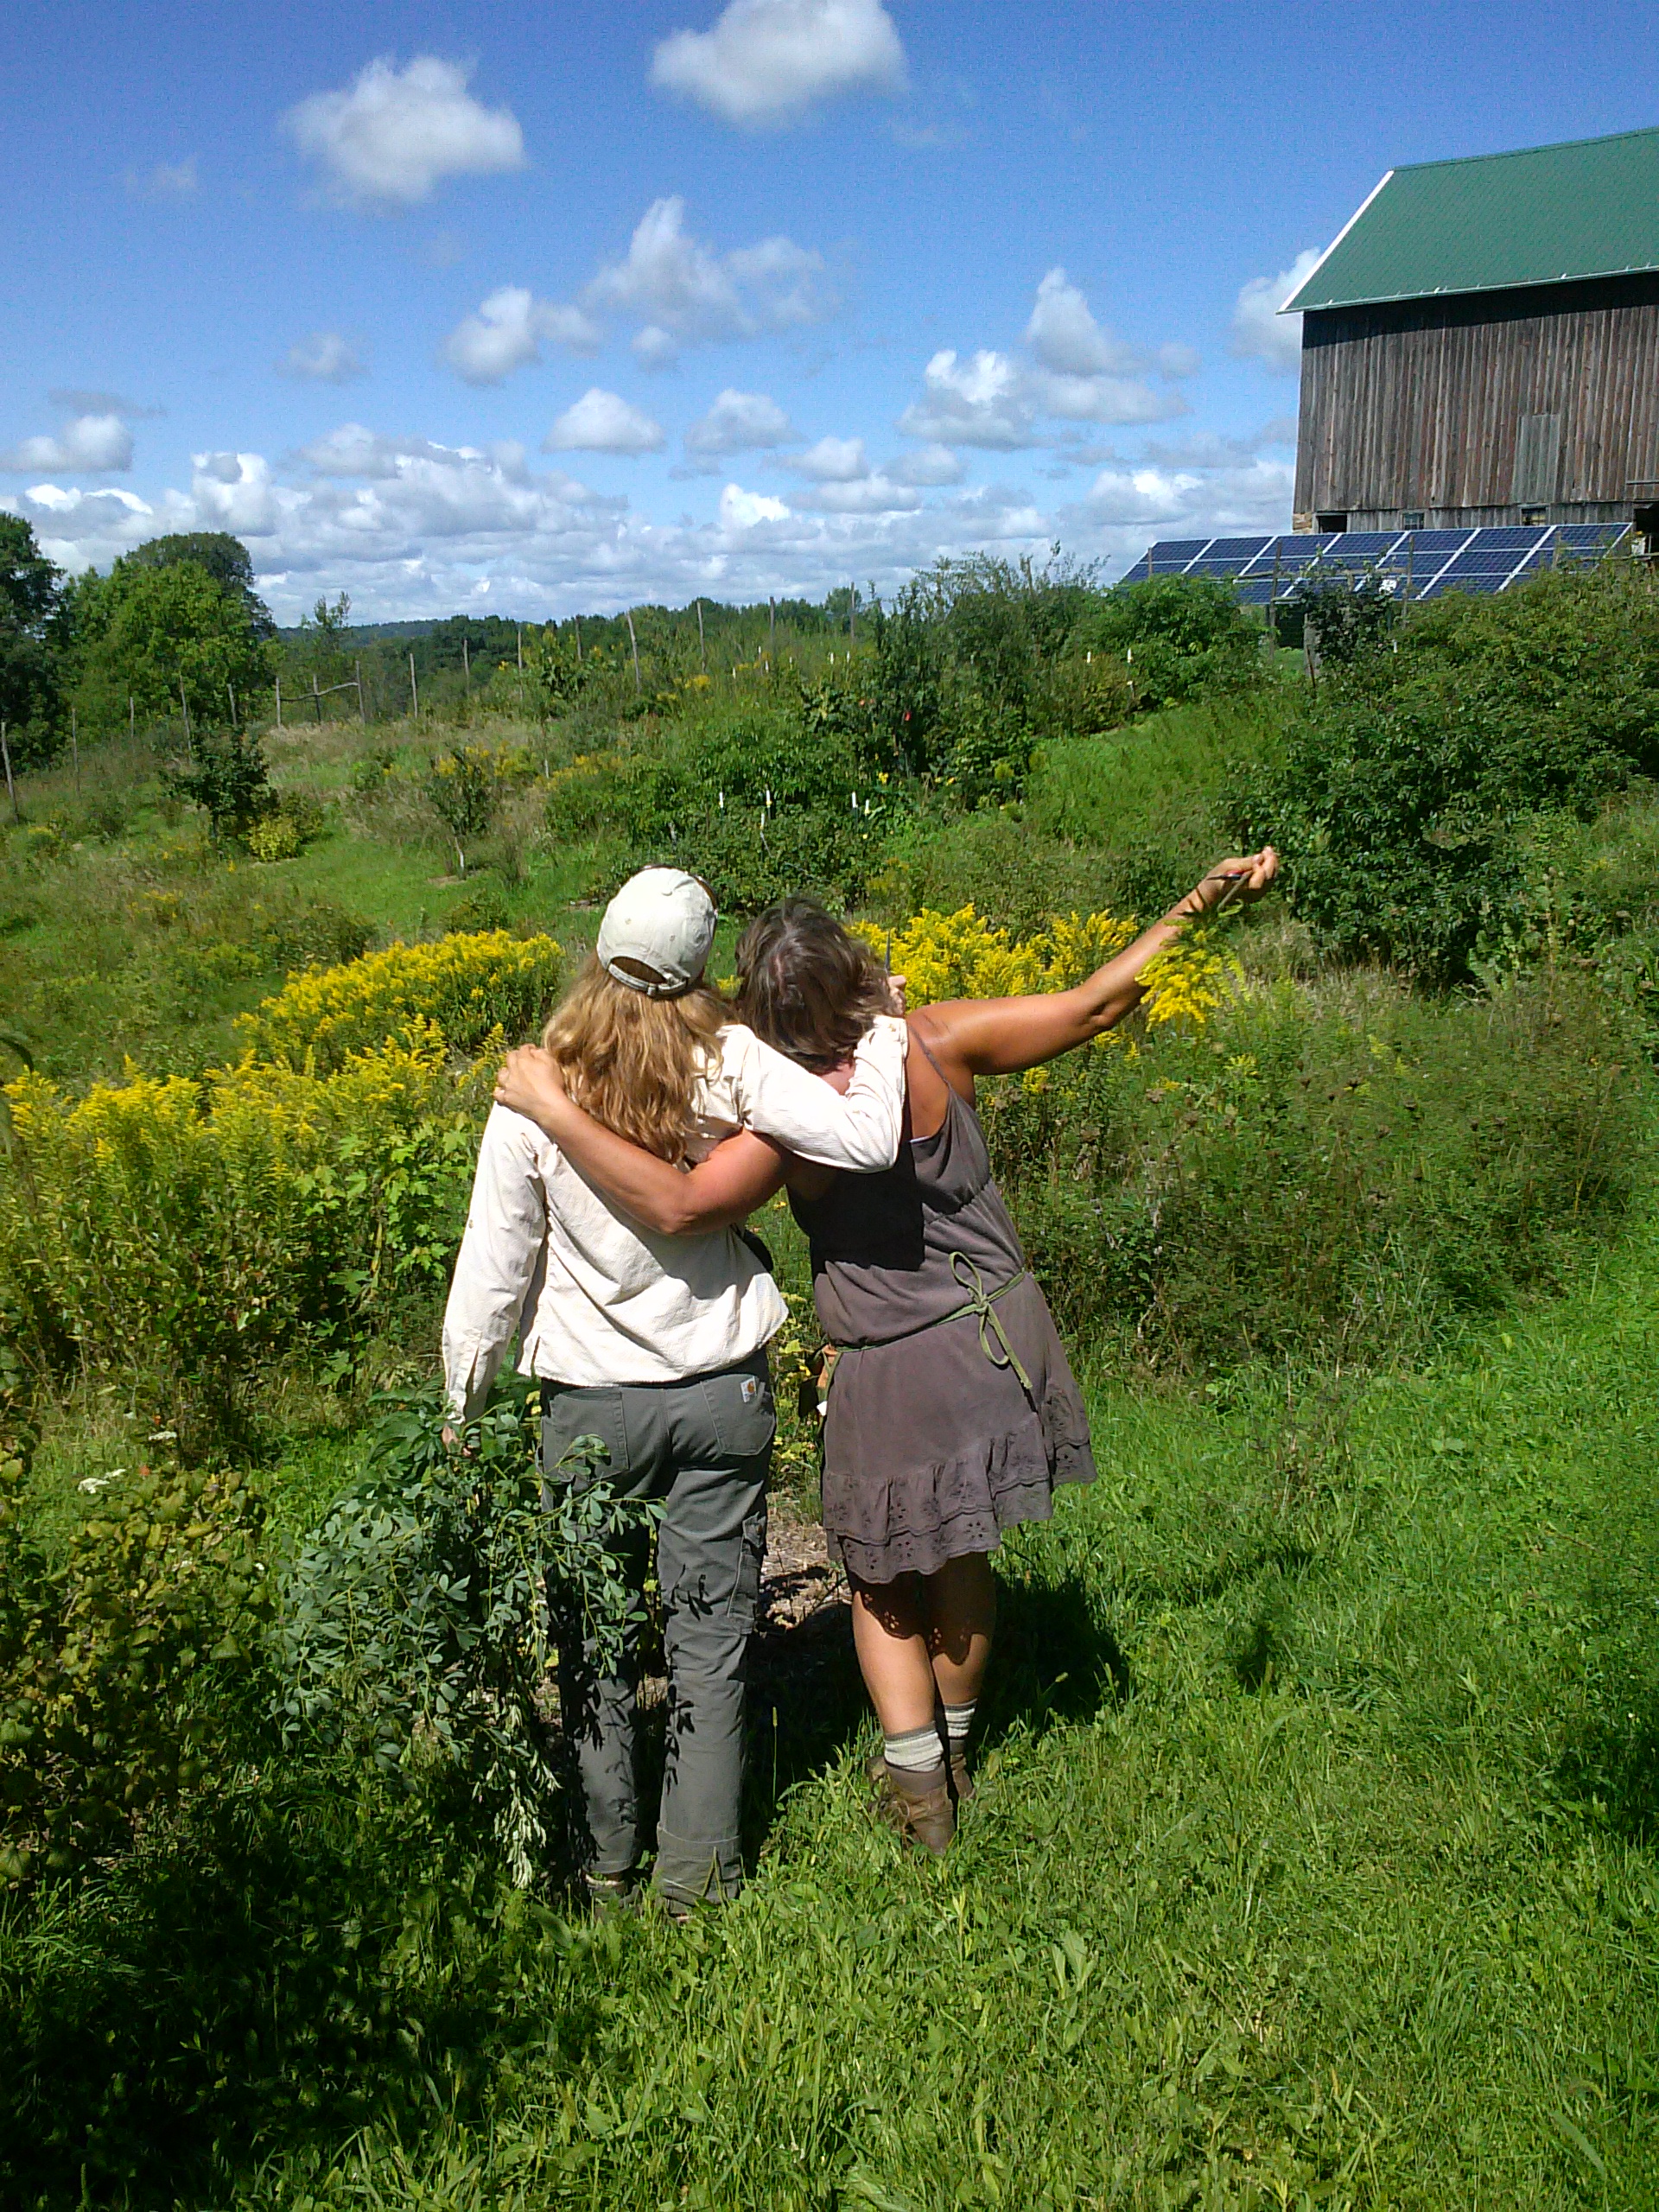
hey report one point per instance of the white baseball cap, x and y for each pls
(656, 931)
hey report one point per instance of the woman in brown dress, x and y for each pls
(953, 1412)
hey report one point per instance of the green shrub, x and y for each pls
(416, 1626)
(1331, 1180)
(758, 803)
(1406, 796)
(193, 1229)
(1177, 637)
(117, 1668)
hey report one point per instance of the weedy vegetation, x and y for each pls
(1314, 1861)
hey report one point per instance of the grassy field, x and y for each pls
(1313, 1857)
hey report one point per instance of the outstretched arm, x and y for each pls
(1000, 1036)
(738, 1175)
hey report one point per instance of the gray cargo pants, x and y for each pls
(703, 1447)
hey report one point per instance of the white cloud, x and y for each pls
(1065, 336)
(834, 461)
(768, 62)
(1260, 332)
(871, 494)
(1076, 372)
(928, 465)
(394, 133)
(1104, 399)
(603, 422)
(323, 357)
(739, 422)
(683, 292)
(234, 491)
(509, 330)
(89, 442)
(1255, 495)
(982, 401)
(740, 510)
(167, 180)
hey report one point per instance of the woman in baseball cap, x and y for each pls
(655, 1342)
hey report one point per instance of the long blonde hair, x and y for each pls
(633, 1062)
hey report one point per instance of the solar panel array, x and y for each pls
(1411, 563)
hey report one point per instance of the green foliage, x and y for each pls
(1405, 798)
(1344, 616)
(1334, 1180)
(464, 789)
(30, 599)
(225, 558)
(416, 1626)
(191, 1230)
(758, 803)
(161, 636)
(117, 1666)
(229, 779)
(1177, 637)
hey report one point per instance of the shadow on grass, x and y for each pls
(271, 1984)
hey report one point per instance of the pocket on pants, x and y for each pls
(746, 1591)
(568, 1417)
(741, 1412)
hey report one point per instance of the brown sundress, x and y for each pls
(953, 1411)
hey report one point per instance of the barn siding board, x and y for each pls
(1418, 404)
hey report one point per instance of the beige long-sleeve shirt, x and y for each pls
(593, 1298)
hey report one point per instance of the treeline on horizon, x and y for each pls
(175, 638)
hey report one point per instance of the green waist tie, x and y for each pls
(981, 1303)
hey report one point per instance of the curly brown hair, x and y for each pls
(806, 985)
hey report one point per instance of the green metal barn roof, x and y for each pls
(1545, 216)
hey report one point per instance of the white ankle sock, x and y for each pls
(914, 1752)
(958, 1719)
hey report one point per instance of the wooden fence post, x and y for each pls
(703, 650)
(634, 643)
(361, 713)
(189, 742)
(12, 788)
(279, 703)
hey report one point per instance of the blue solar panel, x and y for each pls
(1507, 539)
(1486, 560)
(1418, 564)
(1481, 583)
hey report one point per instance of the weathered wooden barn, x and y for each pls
(1481, 346)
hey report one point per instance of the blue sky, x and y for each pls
(535, 309)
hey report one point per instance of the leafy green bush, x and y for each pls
(758, 803)
(1177, 637)
(416, 1626)
(229, 779)
(195, 1229)
(116, 1666)
(1325, 1178)
(1405, 798)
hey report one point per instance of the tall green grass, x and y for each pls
(1312, 1864)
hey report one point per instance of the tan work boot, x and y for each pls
(920, 1806)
